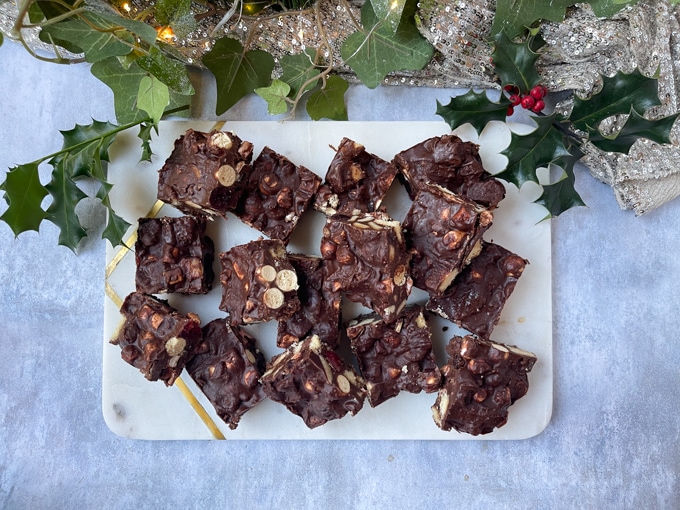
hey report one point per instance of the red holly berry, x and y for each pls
(538, 107)
(537, 92)
(512, 89)
(514, 99)
(510, 111)
(528, 102)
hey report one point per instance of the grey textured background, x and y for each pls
(613, 441)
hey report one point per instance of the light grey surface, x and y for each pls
(612, 442)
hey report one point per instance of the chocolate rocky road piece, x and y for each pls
(477, 296)
(173, 255)
(366, 259)
(482, 379)
(277, 193)
(227, 367)
(258, 283)
(394, 357)
(356, 180)
(444, 233)
(319, 312)
(156, 338)
(454, 165)
(313, 382)
(206, 173)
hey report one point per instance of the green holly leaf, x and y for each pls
(619, 94)
(24, 194)
(561, 195)
(537, 149)
(514, 16)
(607, 8)
(275, 95)
(296, 70)
(389, 10)
(515, 62)
(116, 227)
(636, 126)
(144, 135)
(328, 101)
(84, 148)
(62, 211)
(474, 108)
(2, 38)
(237, 72)
(153, 97)
(375, 51)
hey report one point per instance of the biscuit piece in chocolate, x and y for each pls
(356, 180)
(482, 379)
(156, 338)
(319, 312)
(314, 383)
(477, 296)
(276, 194)
(205, 173)
(366, 259)
(258, 283)
(454, 165)
(444, 233)
(394, 357)
(173, 255)
(227, 367)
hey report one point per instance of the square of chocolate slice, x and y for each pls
(454, 165)
(396, 356)
(444, 233)
(319, 312)
(156, 338)
(356, 180)
(173, 255)
(477, 296)
(277, 193)
(314, 383)
(259, 283)
(366, 259)
(227, 367)
(482, 379)
(205, 173)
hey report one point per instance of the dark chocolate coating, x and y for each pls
(277, 193)
(454, 165)
(314, 383)
(477, 296)
(444, 232)
(367, 260)
(482, 380)
(356, 180)
(394, 357)
(319, 312)
(190, 178)
(156, 338)
(253, 289)
(227, 367)
(173, 255)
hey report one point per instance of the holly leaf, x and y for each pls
(561, 195)
(515, 62)
(116, 227)
(237, 72)
(296, 70)
(328, 100)
(153, 97)
(24, 194)
(62, 211)
(84, 148)
(537, 149)
(375, 51)
(619, 94)
(275, 95)
(636, 126)
(514, 16)
(474, 108)
(144, 135)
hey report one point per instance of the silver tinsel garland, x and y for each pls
(578, 51)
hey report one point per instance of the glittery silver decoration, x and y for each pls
(578, 51)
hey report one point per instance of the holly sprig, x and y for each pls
(557, 142)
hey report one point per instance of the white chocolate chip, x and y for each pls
(175, 346)
(273, 298)
(343, 383)
(286, 280)
(268, 273)
(172, 362)
(400, 275)
(420, 321)
(226, 175)
(221, 140)
(250, 356)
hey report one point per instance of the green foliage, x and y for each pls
(153, 97)
(298, 70)
(606, 8)
(238, 72)
(636, 126)
(275, 95)
(23, 194)
(515, 62)
(177, 14)
(514, 16)
(561, 195)
(474, 108)
(328, 101)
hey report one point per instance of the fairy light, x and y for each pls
(165, 33)
(126, 7)
(393, 5)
